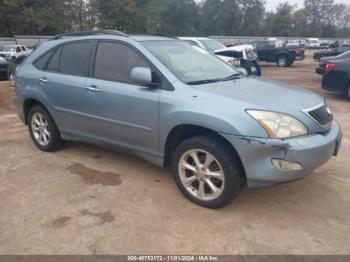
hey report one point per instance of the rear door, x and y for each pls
(64, 81)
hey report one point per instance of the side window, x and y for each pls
(53, 63)
(114, 62)
(75, 58)
(18, 49)
(23, 48)
(42, 61)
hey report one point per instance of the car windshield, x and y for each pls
(212, 45)
(8, 48)
(190, 64)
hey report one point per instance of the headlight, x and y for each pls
(279, 125)
(234, 62)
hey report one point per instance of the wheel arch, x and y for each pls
(182, 132)
(28, 104)
(283, 53)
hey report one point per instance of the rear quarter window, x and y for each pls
(42, 61)
(54, 61)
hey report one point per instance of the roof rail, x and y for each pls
(87, 33)
(152, 34)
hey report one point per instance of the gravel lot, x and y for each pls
(87, 200)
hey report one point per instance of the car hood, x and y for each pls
(254, 93)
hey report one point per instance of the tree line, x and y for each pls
(318, 18)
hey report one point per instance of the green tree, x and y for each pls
(252, 15)
(283, 20)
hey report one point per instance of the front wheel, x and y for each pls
(253, 68)
(207, 172)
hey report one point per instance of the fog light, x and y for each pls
(286, 165)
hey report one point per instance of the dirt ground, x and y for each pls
(87, 200)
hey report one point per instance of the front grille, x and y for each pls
(322, 115)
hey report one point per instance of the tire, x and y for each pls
(256, 66)
(290, 63)
(228, 179)
(252, 67)
(9, 75)
(43, 130)
(282, 61)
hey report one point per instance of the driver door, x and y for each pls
(121, 112)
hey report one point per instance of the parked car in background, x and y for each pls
(313, 43)
(3, 68)
(292, 43)
(329, 60)
(11, 52)
(331, 52)
(175, 105)
(282, 56)
(336, 76)
(240, 56)
(324, 45)
(11, 69)
(299, 50)
(273, 41)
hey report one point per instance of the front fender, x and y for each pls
(220, 124)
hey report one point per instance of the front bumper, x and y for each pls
(310, 151)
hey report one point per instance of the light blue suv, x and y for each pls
(175, 105)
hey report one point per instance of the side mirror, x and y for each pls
(143, 76)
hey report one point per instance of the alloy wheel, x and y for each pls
(201, 174)
(282, 61)
(40, 129)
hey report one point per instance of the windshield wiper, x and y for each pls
(233, 76)
(205, 81)
(208, 81)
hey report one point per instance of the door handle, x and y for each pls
(92, 89)
(43, 80)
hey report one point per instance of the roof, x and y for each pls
(112, 33)
(145, 37)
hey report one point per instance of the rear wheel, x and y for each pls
(207, 172)
(282, 61)
(43, 130)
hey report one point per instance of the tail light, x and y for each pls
(330, 67)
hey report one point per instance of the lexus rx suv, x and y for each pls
(175, 105)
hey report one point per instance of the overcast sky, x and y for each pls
(272, 4)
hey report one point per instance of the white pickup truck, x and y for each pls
(11, 52)
(240, 56)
